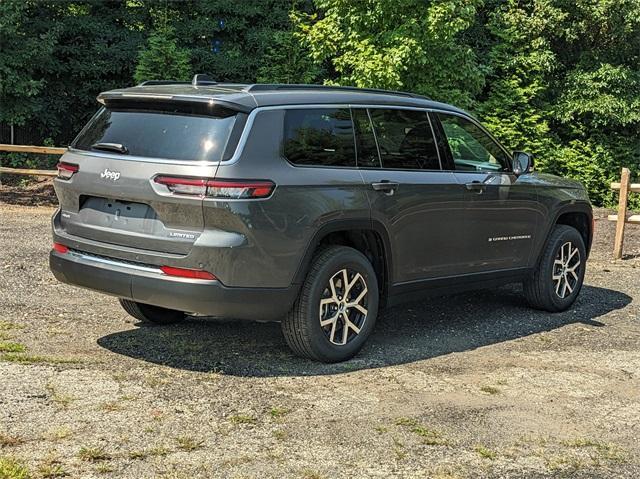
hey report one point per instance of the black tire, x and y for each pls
(541, 289)
(302, 328)
(151, 314)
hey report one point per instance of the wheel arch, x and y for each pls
(367, 236)
(576, 215)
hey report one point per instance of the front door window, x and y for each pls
(471, 148)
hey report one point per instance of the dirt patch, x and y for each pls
(27, 191)
(475, 385)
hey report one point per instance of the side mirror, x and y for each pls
(522, 162)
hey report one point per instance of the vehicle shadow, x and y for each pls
(403, 334)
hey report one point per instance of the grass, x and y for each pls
(7, 325)
(280, 435)
(34, 359)
(93, 454)
(242, 419)
(398, 449)
(278, 412)
(485, 453)
(144, 453)
(187, 443)
(52, 471)
(60, 433)
(604, 451)
(111, 407)
(11, 468)
(565, 463)
(10, 347)
(104, 468)
(61, 400)
(490, 390)
(405, 421)
(430, 437)
(10, 441)
(311, 474)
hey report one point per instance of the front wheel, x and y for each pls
(557, 281)
(151, 314)
(337, 307)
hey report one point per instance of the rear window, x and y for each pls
(175, 135)
(319, 137)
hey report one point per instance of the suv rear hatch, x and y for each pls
(111, 187)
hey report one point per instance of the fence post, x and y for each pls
(622, 213)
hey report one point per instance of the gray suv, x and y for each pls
(314, 206)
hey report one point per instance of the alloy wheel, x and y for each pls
(565, 269)
(343, 306)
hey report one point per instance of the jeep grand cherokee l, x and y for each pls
(311, 205)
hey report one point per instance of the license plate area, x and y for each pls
(118, 214)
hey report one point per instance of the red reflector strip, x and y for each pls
(60, 248)
(187, 273)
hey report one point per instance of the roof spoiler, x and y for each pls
(124, 98)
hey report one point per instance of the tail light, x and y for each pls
(187, 273)
(223, 189)
(66, 170)
(60, 248)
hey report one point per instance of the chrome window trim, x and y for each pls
(249, 126)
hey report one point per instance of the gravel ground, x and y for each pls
(474, 385)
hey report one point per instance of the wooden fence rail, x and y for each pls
(621, 218)
(41, 150)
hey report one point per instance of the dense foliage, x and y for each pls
(559, 78)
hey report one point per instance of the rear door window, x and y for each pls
(175, 135)
(405, 139)
(319, 137)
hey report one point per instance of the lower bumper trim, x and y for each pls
(145, 285)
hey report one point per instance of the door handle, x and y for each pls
(384, 185)
(475, 186)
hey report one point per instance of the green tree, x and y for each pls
(92, 46)
(397, 44)
(21, 55)
(287, 61)
(229, 39)
(162, 59)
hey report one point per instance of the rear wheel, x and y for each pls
(557, 281)
(337, 307)
(151, 314)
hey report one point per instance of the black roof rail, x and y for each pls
(297, 86)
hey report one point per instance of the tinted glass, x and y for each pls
(160, 134)
(319, 137)
(472, 149)
(405, 139)
(365, 139)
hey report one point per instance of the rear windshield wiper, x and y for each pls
(117, 147)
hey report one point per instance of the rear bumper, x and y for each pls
(150, 286)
